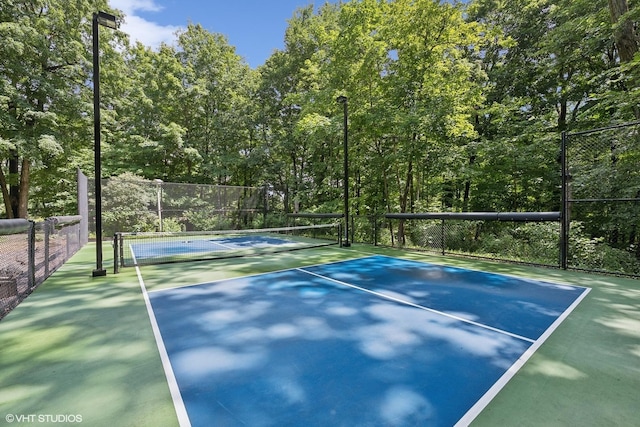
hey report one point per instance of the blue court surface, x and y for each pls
(375, 341)
(180, 247)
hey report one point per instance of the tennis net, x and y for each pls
(132, 249)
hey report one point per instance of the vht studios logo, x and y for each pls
(43, 418)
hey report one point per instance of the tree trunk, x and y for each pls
(14, 189)
(5, 195)
(23, 194)
(403, 203)
(467, 187)
(626, 38)
(16, 197)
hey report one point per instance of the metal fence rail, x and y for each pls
(31, 251)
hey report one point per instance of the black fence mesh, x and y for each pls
(527, 242)
(140, 205)
(31, 254)
(15, 274)
(603, 199)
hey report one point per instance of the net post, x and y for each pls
(116, 253)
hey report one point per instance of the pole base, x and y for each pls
(99, 273)
(346, 244)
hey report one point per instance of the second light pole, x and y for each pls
(343, 100)
(107, 20)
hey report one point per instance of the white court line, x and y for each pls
(221, 244)
(518, 364)
(469, 416)
(482, 403)
(379, 294)
(174, 389)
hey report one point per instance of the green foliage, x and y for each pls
(45, 50)
(206, 221)
(171, 225)
(594, 253)
(452, 106)
(529, 242)
(126, 201)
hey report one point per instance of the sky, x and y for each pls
(254, 27)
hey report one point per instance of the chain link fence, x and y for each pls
(132, 204)
(601, 171)
(31, 251)
(522, 240)
(598, 228)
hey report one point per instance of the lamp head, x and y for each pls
(106, 19)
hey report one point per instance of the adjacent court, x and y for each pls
(370, 341)
(187, 246)
(158, 248)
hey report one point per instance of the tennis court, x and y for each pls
(158, 248)
(324, 336)
(374, 340)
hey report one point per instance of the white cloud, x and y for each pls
(139, 29)
(129, 6)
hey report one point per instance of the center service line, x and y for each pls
(471, 322)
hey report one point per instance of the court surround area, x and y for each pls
(83, 346)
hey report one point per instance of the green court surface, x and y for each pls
(81, 350)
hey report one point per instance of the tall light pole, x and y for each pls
(109, 21)
(343, 100)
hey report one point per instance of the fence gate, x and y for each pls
(601, 199)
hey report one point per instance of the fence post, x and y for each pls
(442, 237)
(47, 224)
(31, 269)
(353, 228)
(67, 238)
(375, 229)
(83, 207)
(565, 215)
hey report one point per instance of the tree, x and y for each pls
(43, 74)
(549, 66)
(218, 88)
(627, 40)
(290, 81)
(147, 115)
